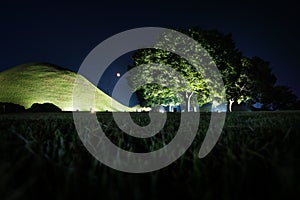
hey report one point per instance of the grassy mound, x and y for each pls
(46, 83)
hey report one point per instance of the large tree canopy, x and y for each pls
(245, 79)
(282, 98)
(220, 48)
(196, 76)
(228, 59)
(261, 80)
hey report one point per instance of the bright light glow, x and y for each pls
(92, 110)
(70, 109)
(118, 74)
(147, 109)
(161, 110)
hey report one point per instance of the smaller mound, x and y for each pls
(46, 107)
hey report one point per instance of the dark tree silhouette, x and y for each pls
(46, 107)
(283, 98)
(11, 108)
(261, 80)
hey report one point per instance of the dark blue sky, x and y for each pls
(64, 32)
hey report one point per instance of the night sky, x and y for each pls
(64, 32)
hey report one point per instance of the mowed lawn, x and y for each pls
(257, 156)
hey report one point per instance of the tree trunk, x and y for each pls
(188, 101)
(231, 101)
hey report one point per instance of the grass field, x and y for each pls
(256, 157)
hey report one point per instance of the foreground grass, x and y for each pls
(256, 157)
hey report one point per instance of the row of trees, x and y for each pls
(36, 107)
(245, 79)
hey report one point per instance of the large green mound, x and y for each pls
(46, 83)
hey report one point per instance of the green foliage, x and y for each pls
(186, 80)
(45, 83)
(221, 48)
(225, 54)
(247, 80)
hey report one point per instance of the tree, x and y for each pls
(296, 105)
(45, 107)
(190, 81)
(11, 108)
(229, 61)
(260, 80)
(223, 52)
(181, 90)
(245, 79)
(283, 98)
(261, 86)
